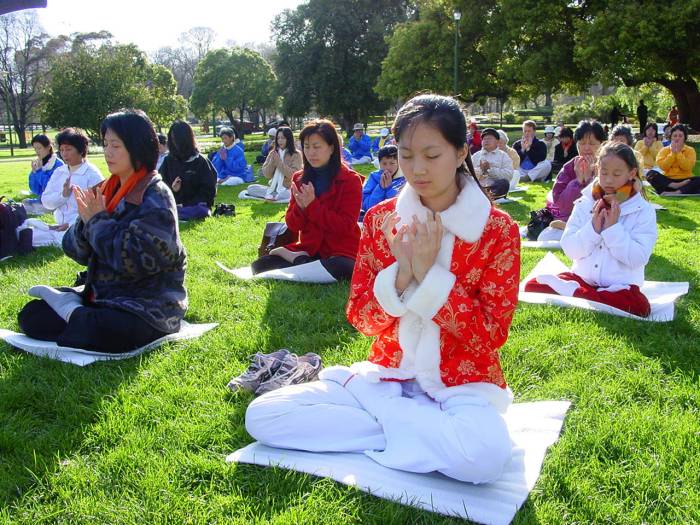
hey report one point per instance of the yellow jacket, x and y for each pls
(677, 165)
(649, 153)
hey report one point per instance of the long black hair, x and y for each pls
(181, 142)
(447, 116)
(43, 140)
(287, 132)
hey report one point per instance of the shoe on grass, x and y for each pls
(294, 370)
(263, 367)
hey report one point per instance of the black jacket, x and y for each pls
(198, 178)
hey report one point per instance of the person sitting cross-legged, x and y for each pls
(533, 154)
(360, 145)
(281, 163)
(190, 175)
(649, 147)
(677, 161)
(43, 167)
(229, 160)
(384, 183)
(493, 165)
(127, 235)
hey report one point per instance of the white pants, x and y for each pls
(41, 234)
(550, 234)
(260, 191)
(515, 180)
(232, 181)
(539, 172)
(361, 160)
(393, 423)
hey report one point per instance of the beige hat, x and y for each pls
(358, 126)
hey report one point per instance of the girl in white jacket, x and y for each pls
(609, 237)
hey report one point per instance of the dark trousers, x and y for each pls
(661, 182)
(94, 328)
(196, 211)
(339, 267)
(498, 189)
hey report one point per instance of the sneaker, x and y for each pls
(294, 370)
(262, 368)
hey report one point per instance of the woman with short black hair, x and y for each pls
(190, 175)
(127, 235)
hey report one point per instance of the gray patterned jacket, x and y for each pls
(135, 260)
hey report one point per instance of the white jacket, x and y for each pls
(616, 257)
(501, 166)
(65, 209)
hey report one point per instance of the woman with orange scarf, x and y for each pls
(127, 235)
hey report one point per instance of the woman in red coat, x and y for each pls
(326, 200)
(436, 285)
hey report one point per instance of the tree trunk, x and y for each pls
(21, 135)
(548, 98)
(687, 97)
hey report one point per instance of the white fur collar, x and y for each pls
(50, 164)
(465, 219)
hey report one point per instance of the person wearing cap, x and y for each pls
(564, 151)
(229, 161)
(360, 145)
(514, 157)
(382, 140)
(533, 154)
(384, 183)
(493, 165)
(550, 141)
(267, 146)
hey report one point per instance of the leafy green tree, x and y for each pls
(231, 80)
(329, 56)
(161, 101)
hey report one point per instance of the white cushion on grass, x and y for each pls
(312, 272)
(82, 357)
(518, 189)
(547, 245)
(533, 428)
(246, 196)
(661, 295)
(506, 200)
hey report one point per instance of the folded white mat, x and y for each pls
(673, 195)
(548, 245)
(312, 272)
(518, 189)
(657, 206)
(661, 295)
(246, 196)
(506, 200)
(81, 357)
(533, 428)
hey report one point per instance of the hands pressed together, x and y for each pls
(583, 167)
(604, 216)
(415, 247)
(90, 202)
(303, 194)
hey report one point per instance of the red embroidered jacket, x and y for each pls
(481, 290)
(328, 226)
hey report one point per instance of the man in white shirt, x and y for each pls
(493, 166)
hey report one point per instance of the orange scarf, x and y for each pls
(114, 191)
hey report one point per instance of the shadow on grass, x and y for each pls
(674, 219)
(38, 257)
(46, 408)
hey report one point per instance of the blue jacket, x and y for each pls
(360, 148)
(234, 165)
(373, 193)
(376, 146)
(40, 178)
(135, 260)
(347, 156)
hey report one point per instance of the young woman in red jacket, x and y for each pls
(436, 285)
(325, 205)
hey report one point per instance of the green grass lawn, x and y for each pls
(144, 440)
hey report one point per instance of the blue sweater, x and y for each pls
(234, 165)
(135, 260)
(360, 148)
(40, 178)
(373, 193)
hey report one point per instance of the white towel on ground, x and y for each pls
(81, 357)
(506, 200)
(533, 428)
(661, 295)
(312, 272)
(246, 196)
(518, 189)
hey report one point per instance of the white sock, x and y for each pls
(63, 303)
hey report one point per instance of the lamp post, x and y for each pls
(457, 15)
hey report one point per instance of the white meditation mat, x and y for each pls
(245, 196)
(312, 272)
(547, 245)
(661, 295)
(518, 189)
(674, 195)
(506, 200)
(533, 428)
(81, 357)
